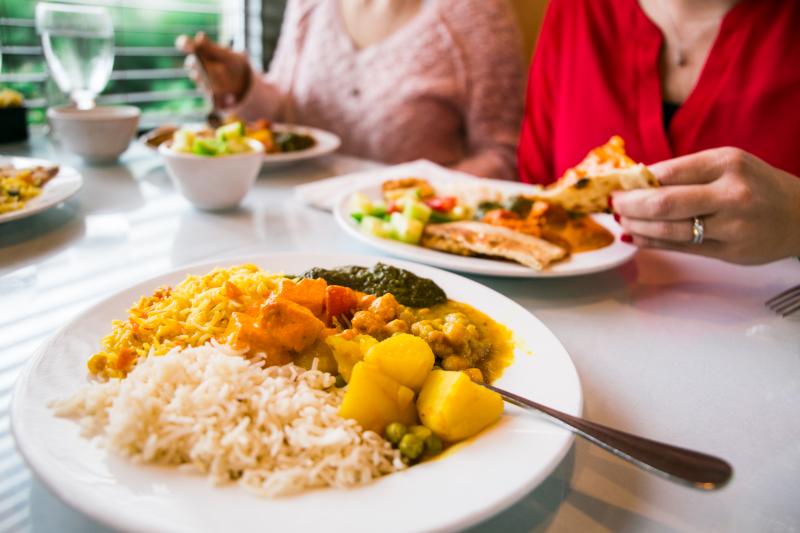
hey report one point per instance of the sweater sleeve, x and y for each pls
(535, 152)
(489, 56)
(270, 94)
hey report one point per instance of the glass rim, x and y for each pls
(43, 9)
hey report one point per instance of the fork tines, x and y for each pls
(786, 302)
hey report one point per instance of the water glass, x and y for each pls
(78, 44)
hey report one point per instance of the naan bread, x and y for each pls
(477, 238)
(587, 187)
(590, 194)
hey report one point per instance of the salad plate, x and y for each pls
(325, 142)
(606, 258)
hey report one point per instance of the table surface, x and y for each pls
(676, 348)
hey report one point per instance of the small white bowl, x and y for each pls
(213, 182)
(98, 135)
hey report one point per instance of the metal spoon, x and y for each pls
(684, 466)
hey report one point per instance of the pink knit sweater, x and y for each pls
(448, 86)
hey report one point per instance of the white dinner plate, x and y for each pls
(578, 264)
(326, 143)
(65, 184)
(469, 483)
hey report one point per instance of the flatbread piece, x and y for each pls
(477, 238)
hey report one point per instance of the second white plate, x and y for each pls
(326, 143)
(578, 264)
(65, 184)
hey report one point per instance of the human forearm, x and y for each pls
(262, 99)
(496, 163)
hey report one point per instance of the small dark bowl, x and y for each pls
(14, 122)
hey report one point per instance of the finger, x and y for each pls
(708, 248)
(208, 50)
(185, 44)
(672, 230)
(666, 203)
(698, 168)
(667, 230)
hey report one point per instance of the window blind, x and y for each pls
(148, 71)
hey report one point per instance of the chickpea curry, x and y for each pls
(304, 318)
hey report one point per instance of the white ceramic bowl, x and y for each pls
(213, 183)
(98, 135)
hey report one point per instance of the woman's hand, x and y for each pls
(750, 210)
(223, 73)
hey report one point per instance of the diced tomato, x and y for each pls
(442, 203)
(393, 207)
(339, 301)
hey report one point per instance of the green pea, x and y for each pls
(421, 431)
(395, 432)
(411, 446)
(340, 382)
(433, 444)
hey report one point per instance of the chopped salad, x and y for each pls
(408, 204)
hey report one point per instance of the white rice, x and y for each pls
(274, 430)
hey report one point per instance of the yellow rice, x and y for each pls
(16, 190)
(192, 313)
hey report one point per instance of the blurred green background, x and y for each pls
(148, 72)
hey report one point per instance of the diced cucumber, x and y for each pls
(378, 209)
(377, 227)
(438, 218)
(358, 217)
(417, 211)
(183, 140)
(207, 146)
(406, 229)
(360, 203)
(232, 131)
(236, 146)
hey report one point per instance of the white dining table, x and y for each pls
(669, 346)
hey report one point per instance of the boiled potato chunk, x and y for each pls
(375, 400)
(348, 352)
(456, 408)
(404, 358)
(320, 352)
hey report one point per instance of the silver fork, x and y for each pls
(786, 302)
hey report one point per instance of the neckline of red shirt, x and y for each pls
(655, 140)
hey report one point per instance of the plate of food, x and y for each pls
(498, 228)
(296, 390)
(29, 186)
(283, 143)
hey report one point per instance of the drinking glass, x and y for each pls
(78, 44)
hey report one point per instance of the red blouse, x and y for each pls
(595, 74)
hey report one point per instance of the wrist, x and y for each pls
(794, 219)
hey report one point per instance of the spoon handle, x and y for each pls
(689, 467)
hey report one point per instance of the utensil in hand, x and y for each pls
(78, 43)
(192, 62)
(688, 467)
(785, 303)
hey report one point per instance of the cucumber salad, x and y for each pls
(229, 139)
(404, 211)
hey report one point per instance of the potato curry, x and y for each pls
(308, 319)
